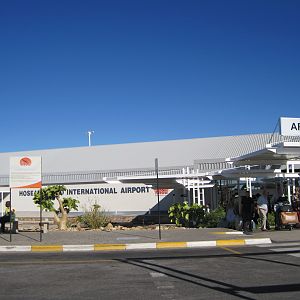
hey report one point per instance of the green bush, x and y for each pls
(94, 217)
(271, 219)
(186, 215)
(196, 215)
(177, 213)
(214, 218)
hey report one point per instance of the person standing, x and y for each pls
(262, 205)
(247, 209)
(6, 217)
(230, 216)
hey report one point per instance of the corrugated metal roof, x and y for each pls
(138, 156)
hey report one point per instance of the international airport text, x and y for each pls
(95, 191)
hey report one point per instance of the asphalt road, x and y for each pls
(249, 272)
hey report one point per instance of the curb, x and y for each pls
(146, 246)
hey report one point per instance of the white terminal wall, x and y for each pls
(113, 198)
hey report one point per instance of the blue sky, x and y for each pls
(136, 71)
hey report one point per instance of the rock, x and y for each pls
(82, 225)
(78, 226)
(109, 227)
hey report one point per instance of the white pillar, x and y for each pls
(293, 181)
(294, 186)
(288, 182)
(203, 196)
(289, 190)
(194, 191)
(250, 186)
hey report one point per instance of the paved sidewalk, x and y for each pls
(92, 240)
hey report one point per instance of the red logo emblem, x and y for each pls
(25, 161)
(161, 191)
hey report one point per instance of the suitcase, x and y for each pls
(289, 218)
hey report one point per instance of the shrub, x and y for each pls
(94, 217)
(196, 215)
(271, 219)
(214, 218)
(186, 215)
(177, 213)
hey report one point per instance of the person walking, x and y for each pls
(262, 205)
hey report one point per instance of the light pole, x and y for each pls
(90, 132)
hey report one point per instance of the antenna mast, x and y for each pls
(90, 132)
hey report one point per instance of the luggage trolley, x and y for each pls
(285, 217)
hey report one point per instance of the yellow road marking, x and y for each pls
(103, 247)
(231, 250)
(47, 248)
(161, 245)
(230, 242)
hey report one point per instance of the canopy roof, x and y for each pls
(272, 161)
(271, 155)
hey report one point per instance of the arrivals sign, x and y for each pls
(290, 126)
(25, 172)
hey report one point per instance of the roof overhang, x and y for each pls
(271, 155)
(165, 181)
(267, 163)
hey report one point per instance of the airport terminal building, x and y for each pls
(123, 180)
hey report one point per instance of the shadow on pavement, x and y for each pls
(3, 238)
(29, 237)
(137, 235)
(230, 289)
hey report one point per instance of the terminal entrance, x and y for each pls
(197, 190)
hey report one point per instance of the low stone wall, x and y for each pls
(117, 222)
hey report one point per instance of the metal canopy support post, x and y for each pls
(10, 237)
(293, 180)
(194, 191)
(157, 186)
(292, 175)
(288, 182)
(294, 186)
(289, 189)
(249, 185)
(203, 197)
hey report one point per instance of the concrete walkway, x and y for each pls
(93, 240)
